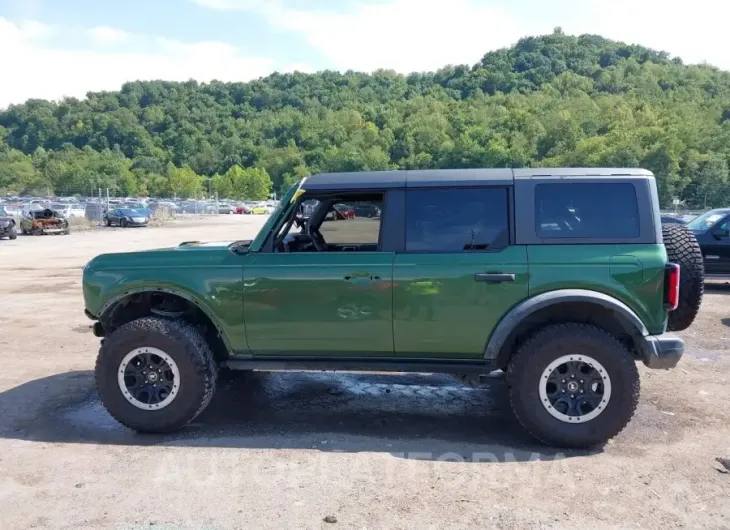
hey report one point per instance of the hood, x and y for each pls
(199, 245)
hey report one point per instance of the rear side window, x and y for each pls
(582, 210)
(456, 220)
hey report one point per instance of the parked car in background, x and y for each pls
(141, 208)
(342, 211)
(69, 211)
(7, 225)
(243, 209)
(225, 208)
(45, 221)
(670, 219)
(260, 209)
(366, 210)
(712, 232)
(125, 217)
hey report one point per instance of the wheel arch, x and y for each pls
(145, 301)
(563, 305)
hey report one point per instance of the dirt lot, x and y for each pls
(286, 450)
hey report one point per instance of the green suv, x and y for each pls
(562, 278)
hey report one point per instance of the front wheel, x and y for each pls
(13, 234)
(155, 374)
(124, 223)
(573, 385)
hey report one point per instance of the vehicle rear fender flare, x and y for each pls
(113, 301)
(502, 334)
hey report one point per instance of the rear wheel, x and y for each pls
(155, 374)
(683, 249)
(573, 385)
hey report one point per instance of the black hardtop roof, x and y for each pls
(456, 177)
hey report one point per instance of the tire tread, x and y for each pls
(195, 347)
(564, 332)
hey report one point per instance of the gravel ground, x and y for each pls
(279, 450)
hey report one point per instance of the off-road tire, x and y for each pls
(683, 249)
(108, 222)
(187, 347)
(548, 344)
(13, 233)
(123, 223)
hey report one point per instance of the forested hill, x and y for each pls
(553, 100)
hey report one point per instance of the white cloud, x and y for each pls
(404, 35)
(36, 70)
(411, 35)
(695, 31)
(107, 35)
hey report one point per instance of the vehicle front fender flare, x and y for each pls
(509, 323)
(109, 304)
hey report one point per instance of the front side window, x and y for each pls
(583, 210)
(456, 220)
(353, 222)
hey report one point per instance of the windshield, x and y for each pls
(706, 220)
(127, 211)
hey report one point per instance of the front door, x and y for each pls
(458, 275)
(715, 244)
(333, 303)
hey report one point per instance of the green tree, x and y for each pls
(249, 183)
(183, 181)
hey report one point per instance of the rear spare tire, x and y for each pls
(155, 374)
(683, 249)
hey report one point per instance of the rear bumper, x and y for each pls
(662, 351)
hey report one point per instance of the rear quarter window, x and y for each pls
(586, 210)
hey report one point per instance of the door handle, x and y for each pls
(494, 277)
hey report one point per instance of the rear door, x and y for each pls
(458, 274)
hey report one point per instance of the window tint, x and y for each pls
(353, 222)
(455, 220)
(582, 210)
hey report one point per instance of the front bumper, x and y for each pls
(662, 351)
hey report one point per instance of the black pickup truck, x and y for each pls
(711, 231)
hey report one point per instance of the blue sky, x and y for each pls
(57, 48)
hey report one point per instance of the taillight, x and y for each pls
(671, 286)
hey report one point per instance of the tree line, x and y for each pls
(551, 100)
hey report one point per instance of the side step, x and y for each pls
(295, 364)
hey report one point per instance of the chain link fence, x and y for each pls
(89, 208)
